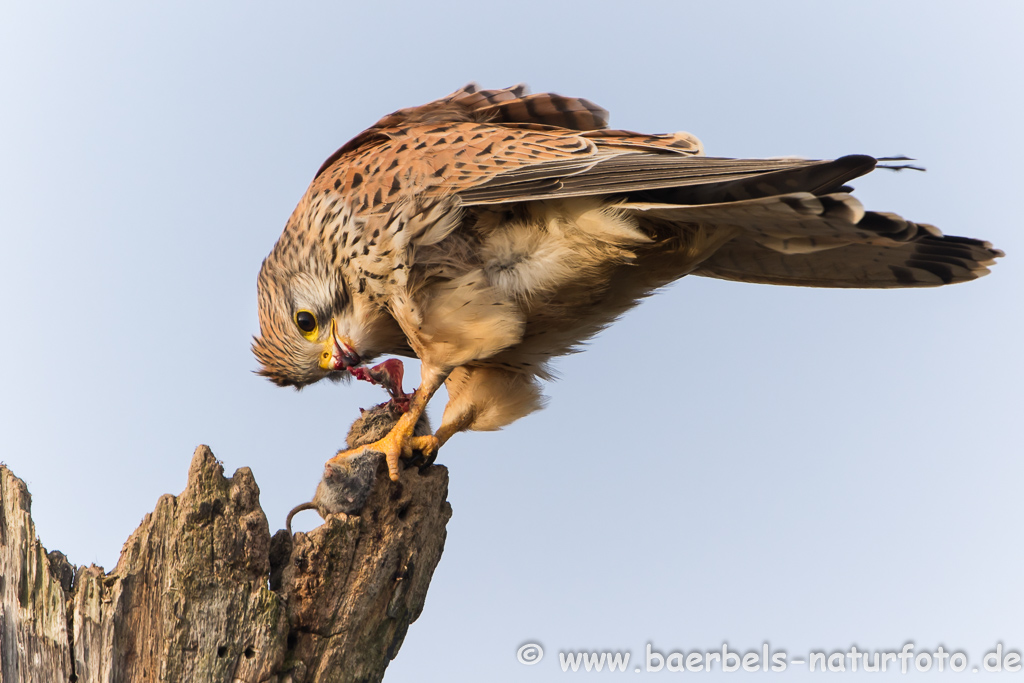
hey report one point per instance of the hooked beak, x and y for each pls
(338, 353)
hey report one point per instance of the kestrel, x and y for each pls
(491, 230)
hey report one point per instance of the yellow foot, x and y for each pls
(394, 446)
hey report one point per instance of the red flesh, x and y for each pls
(388, 375)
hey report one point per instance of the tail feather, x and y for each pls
(517, 105)
(828, 241)
(927, 262)
(548, 109)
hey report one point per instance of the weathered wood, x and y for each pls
(202, 593)
(33, 626)
(356, 583)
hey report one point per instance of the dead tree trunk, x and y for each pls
(203, 593)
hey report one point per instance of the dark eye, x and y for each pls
(305, 321)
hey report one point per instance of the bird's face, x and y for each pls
(306, 333)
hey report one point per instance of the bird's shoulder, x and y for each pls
(440, 159)
(472, 136)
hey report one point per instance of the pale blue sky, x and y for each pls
(730, 462)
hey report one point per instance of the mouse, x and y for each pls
(346, 484)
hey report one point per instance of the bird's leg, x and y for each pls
(400, 442)
(450, 428)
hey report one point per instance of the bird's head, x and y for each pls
(307, 327)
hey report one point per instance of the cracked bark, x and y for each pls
(203, 593)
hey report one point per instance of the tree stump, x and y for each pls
(203, 593)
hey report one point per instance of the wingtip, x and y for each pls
(996, 253)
